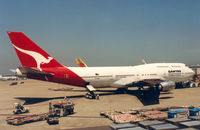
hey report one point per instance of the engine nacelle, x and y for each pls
(167, 86)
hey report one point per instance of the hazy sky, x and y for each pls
(104, 32)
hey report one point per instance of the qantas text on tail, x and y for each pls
(37, 64)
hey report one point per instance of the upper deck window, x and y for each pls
(176, 66)
(162, 66)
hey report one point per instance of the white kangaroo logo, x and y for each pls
(40, 59)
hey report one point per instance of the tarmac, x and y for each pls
(36, 95)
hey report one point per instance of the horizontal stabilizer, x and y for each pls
(25, 71)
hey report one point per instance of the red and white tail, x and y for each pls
(30, 54)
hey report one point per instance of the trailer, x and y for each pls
(56, 110)
(24, 119)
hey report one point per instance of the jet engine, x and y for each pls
(167, 86)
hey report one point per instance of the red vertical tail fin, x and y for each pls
(29, 53)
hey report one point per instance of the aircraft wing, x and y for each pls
(130, 81)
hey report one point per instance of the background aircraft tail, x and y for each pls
(80, 62)
(30, 54)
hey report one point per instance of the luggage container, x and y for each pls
(163, 127)
(121, 126)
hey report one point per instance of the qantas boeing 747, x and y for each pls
(37, 64)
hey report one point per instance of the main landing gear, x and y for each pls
(122, 90)
(151, 92)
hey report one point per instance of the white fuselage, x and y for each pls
(100, 77)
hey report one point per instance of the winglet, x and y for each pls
(144, 62)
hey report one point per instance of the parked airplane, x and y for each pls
(37, 64)
(8, 77)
